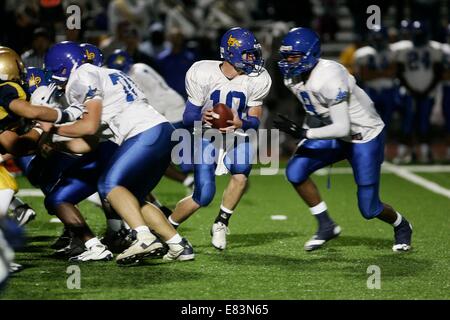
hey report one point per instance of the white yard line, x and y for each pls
(405, 172)
(408, 175)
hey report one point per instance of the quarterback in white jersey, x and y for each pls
(241, 83)
(113, 103)
(341, 123)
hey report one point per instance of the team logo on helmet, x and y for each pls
(90, 55)
(119, 60)
(34, 80)
(233, 42)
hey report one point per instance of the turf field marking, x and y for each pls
(406, 174)
(278, 217)
(30, 193)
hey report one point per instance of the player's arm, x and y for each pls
(339, 127)
(86, 126)
(252, 122)
(20, 145)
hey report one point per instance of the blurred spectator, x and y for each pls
(288, 10)
(156, 42)
(226, 14)
(39, 46)
(173, 63)
(327, 25)
(133, 11)
(26, 20)
(347, 56)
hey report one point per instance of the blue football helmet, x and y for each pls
(240, 48)
(93, 54)
(419, 33)
(378, 37)
(63, 58)
(120, 60)
(404, 31)
(36, 77)
(302, 42)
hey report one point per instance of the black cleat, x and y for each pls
(75, 248)
(23, 214)
(402, 235)
(118, 241)
(321, 237)
(63, 240)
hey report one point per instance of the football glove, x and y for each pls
(70, 114)
(290, 127)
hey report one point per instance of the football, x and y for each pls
(224, 114)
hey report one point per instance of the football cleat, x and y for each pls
(15, 267)
(181, 251)
(219, 232)
(75, 248)
(63, 240)
(98, 252)
(321, 237)
(117, 241)
(23, 214)
(402, 234)
(139, 249)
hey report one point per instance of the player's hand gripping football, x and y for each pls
(236, 123)
(208, 116)
(288, 126)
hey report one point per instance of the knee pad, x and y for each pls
(296, 170)
(204, 193)
(369, 202)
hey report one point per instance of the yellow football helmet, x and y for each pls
(11, 65)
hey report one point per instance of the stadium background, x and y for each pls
(264, 259)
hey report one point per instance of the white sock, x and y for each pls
(6, 196)
(173, 222)
(226, 210)
(92, 242)
(175, 239)
(188, 181)
(398, 220)
(16, 202)
(114, 224)
(321, 207)
(142, 232)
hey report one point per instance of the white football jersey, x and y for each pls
(161, 97)
(206, 86)
(418, 63)
(328, 84)
(126, 111)
(375, 60)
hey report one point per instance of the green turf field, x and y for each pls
(265, 258)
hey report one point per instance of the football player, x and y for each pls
(419, 69)
(240, 82)
(341, 123)
(376, 69)
(162, 97)
(117, 110)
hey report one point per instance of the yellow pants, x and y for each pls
(7, 181)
